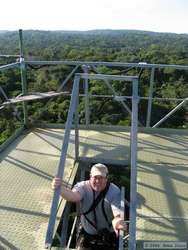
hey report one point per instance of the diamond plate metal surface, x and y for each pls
(26, 171)
(162, 187)
(163, 146)
(28, 165)
(27, 168)
(105, 144)
(162, 229)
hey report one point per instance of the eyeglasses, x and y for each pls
(99, 178)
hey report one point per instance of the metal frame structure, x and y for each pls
(73, 115)
(86, 66)
(72, 110)
(54, 207)
(78, 64)
(122, 216)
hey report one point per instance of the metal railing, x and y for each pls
(87, 66)
(73, 111)
(134, 130)
(134, 124)
(60, 173)
(122, 216)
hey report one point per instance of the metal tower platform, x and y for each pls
(162, 184)
(30, 211)
(27, 168)
(30, 162)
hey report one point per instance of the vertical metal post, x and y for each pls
(23, 78)
(122, 216)
(148, 121)
(21, 43)
(86, 92)
(76, 124)
(133, 194)
(53, 212)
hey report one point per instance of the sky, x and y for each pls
(151, 15)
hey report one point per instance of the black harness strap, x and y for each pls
(94, 224)
(98, 199)
(94, 205)
(105, 215)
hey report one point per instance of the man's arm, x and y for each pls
(67, 194)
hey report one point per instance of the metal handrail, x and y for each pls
(72, 232)
(133, 196)
(134, 131)
(110, 64)
(122, 216)
(54, 207)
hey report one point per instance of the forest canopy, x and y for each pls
(127, 46)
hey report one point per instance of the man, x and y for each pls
(100, 209)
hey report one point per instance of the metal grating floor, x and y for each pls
(162, 188)
(26, 170)
(30, 162)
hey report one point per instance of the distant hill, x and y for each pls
(126, 45)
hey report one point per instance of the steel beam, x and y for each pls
(108, 64)
(23, 78)
(133, 195)
(86, 92)
(170, 113)
(150, 97)
(122, 216)
(9, 66)
(53, 212)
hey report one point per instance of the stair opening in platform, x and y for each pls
(119, 175)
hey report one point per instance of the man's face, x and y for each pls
(98, 182)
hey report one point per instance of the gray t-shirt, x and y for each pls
(111, 206)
